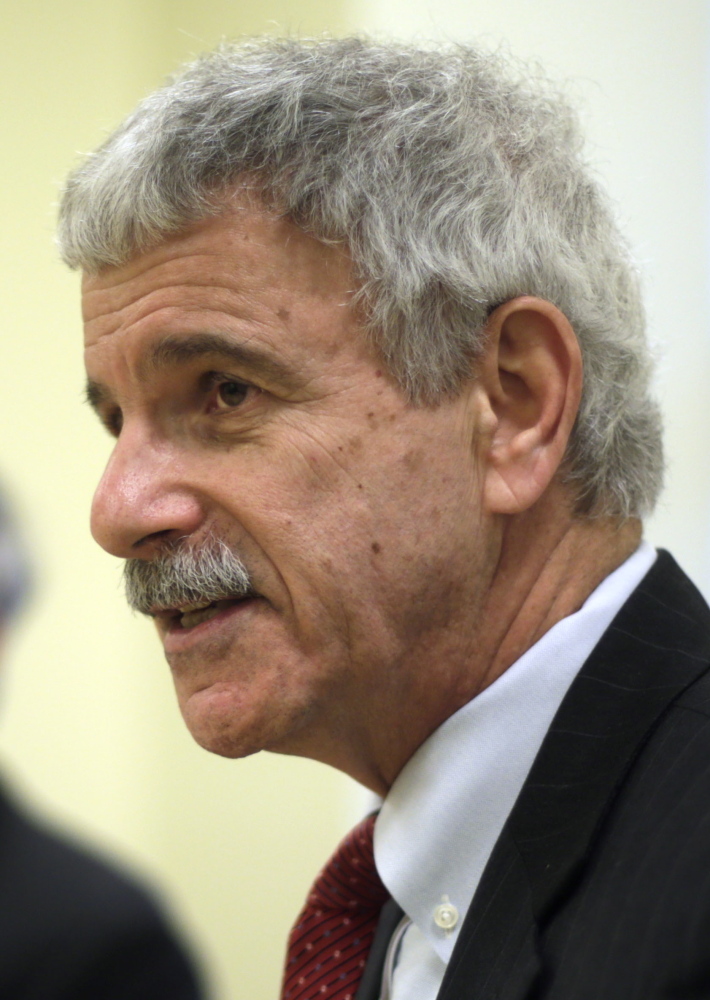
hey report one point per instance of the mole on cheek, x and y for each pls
(283, 314)
(376, 547)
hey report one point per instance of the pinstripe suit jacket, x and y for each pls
(599, 885)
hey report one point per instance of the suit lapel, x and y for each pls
(657, 645)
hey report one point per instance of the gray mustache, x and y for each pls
(185, 574)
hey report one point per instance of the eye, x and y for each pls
(113, 421)
(232, 393)
(227, 393)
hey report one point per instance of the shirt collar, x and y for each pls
(442, 816)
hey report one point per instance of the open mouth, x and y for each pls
(188, 616)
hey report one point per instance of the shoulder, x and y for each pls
(68, 918)
(50, 874)
(638, 919)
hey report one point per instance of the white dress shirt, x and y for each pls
(445, 811)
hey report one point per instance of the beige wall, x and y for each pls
(89, 726)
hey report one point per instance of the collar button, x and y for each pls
(446, 916)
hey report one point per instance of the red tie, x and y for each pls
(328, 946)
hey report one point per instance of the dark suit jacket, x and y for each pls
(71, 928)
(599, 885)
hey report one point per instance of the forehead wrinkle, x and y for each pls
(173, 350)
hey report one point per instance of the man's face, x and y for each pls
(248, 406)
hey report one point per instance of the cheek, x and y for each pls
(345, 520)
(361, 508)
(298, 492)
(304, 526)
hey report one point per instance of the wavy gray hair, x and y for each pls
(455, 181)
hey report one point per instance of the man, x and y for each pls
(372, 351)
(71, 927)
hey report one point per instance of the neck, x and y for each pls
(546, 570)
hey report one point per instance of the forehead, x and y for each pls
(245, 267)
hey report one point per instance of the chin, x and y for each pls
(224, 745)
(221, 720)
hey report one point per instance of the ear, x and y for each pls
(530, 381)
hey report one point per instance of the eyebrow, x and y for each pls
(172, 351)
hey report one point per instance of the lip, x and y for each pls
(177, 639)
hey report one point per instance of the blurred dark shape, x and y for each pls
(15, 573)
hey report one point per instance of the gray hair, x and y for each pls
(14, 566)
(454, 181)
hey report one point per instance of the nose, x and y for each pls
(143, 499)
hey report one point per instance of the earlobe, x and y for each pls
(531, 374)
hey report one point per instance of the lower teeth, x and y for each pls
(192, 618)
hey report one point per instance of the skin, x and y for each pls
(403, 556)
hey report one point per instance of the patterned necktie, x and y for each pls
(328, 946)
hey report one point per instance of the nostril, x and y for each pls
(158, 537)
